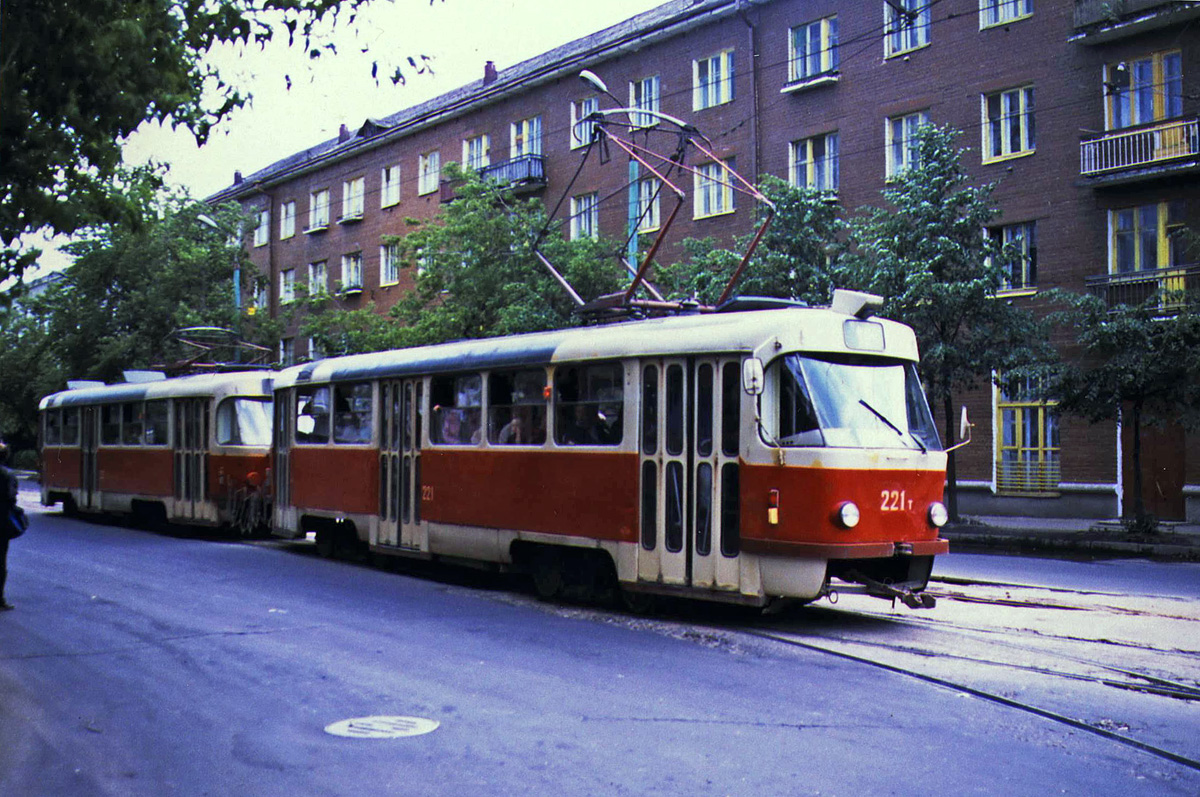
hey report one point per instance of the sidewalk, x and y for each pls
(1103, 538)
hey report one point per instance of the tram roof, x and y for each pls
(236, 383)
(795, 329)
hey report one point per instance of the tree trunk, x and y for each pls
(951, 463)
(1139, 505)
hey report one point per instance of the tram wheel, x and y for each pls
(326, 543)
(547, 576)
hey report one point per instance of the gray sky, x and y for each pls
(458, 35)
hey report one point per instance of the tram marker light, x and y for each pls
(773, 507)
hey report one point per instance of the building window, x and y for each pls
(353, 192)
(1148, 237)
(318, 278)
(476, 152)
(262, 230)
(714, 192)
(712, 81)
(1027, 455)
(318, 209)
(1019, 257)
(585, 216)
(315, 350)
(287, 220)
(901, 133)
(906, 25)
(526, 137)
(1144, 91)
(645, 95)
(814, 162)
(389, 186)
(389, 264)
(649, 193)
(352, 272)
(287, 351)
(1008, 123)
(813, 49)
(287, 285)
(429, 172)
(581, 131)
(999, 12)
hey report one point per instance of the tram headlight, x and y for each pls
(938, 514)
(848, 515)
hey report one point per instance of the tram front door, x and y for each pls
(400, 465)
(90, 475)
(191, 457)
(690, 499)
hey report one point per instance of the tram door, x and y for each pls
(90, 473)
(191, 456)
(400, 464)
(689, 480)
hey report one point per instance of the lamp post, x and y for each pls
(208, 221)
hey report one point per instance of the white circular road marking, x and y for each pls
(382, 727)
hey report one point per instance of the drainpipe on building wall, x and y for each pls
(752, 35)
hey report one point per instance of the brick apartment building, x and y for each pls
(1086, 113)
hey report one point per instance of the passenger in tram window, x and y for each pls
(581, 427)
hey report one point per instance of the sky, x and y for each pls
(457, 36)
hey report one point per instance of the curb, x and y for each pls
(1054, 544)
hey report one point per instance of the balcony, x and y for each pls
(1142, 151)
(522, 173)
(1100, 21)
(1174, 288)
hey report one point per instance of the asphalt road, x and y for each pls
(139, 663)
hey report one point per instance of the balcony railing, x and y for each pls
(1100, 12)
(1173, 288)
(523, 170)
(1140, 147)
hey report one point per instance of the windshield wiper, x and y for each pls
(892, 426)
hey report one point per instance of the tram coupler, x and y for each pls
(902, 592)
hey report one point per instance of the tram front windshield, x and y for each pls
(847, 402)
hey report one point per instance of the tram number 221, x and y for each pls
(895, 501)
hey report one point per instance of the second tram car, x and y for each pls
(192, 449)
(734, 456)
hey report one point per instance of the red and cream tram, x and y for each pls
(192, 449)
(734, 456)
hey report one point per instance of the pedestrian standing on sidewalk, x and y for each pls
(8, 508)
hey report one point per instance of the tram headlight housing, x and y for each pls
(938, 516)
(848, 515)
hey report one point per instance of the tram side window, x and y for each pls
(132, 416)
(244, 422)
(353, 413)
(70, 429)
(52, 436)
(517, 408)
(110, 424)
(312, 415)
(589, 405)
(158, 419)
(457, 409)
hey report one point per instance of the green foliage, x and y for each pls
(479, 276)
(794, 260)
(78, 76)
(1137, 362)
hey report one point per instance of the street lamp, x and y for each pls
(208, 221)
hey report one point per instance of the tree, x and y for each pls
(793, 260)
(1136, 363)
(78, 76)
(928, 255)
(479, 275)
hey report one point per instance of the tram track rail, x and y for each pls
(1062, 719)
